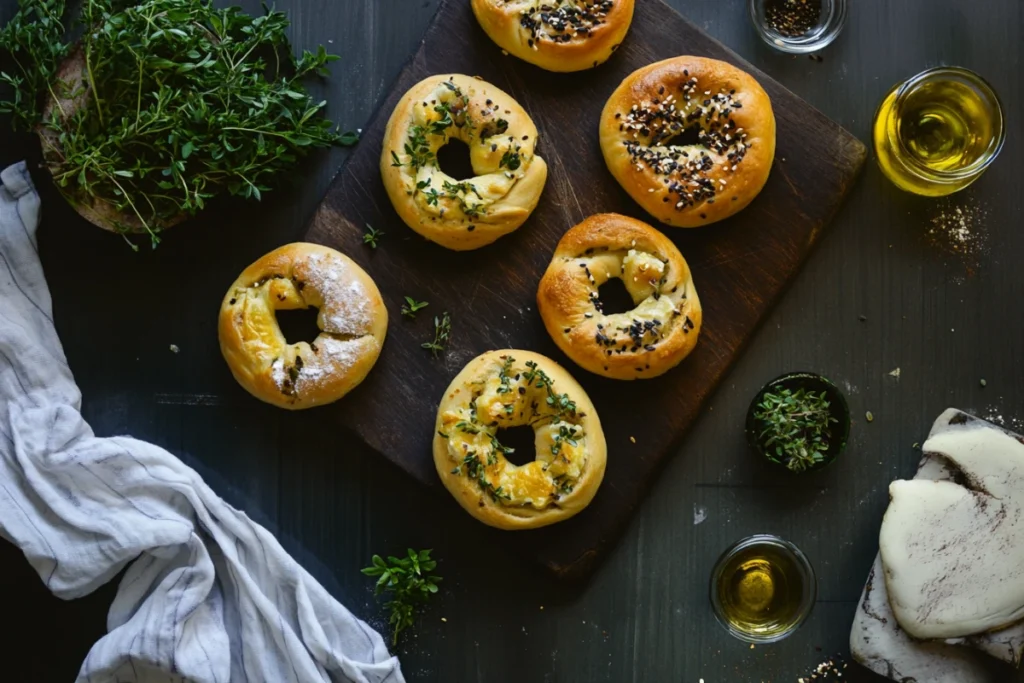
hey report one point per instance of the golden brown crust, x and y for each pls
(352, 319)
(695, 184)
(501, 138)
(566, 473)
(579, 35)
(645, 342)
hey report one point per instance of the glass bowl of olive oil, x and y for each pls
(937, 132)
(762, 589)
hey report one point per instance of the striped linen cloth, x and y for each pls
(209, 596)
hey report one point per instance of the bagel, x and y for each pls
(567, 35)
(467, 214)
(509, 388)
(352, 320)
(690, 139)
(645, 342)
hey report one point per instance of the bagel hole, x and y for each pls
(615, 298)
(453, 158)
(686, 138)
(298, 325)
(523, 440)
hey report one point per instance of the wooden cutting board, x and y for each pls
(740, 266)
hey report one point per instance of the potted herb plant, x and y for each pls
(799, 421)
(160, 105)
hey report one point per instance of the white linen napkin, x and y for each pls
(210, 596)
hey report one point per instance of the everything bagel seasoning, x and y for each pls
(792, 18)
(560, 23)
(684, 170)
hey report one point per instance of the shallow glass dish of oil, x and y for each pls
(937, 132)
(762, 589)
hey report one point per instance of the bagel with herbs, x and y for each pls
(509, 178)
(566, 35)
(352, 320)
(510, 388)
(690, 139)
(644, 342)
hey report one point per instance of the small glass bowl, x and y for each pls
(830, 23)
(901, 167)
(801, 564)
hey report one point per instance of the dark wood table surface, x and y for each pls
(876, 295)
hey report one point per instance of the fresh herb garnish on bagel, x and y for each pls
(161, 105)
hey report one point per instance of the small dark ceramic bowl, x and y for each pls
(812, 382)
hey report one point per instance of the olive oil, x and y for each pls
(762, 589)
(936, 133)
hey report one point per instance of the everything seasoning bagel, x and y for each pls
(566, 35)
(690, 139)
(646, 341)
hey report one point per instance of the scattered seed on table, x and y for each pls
(983, 383)
(869, 416)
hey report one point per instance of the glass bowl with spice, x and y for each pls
(763, 588)
(799, 422)
(798, 26)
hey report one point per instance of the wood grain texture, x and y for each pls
(644, 615)
(740, 266)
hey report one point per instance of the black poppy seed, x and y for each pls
(471, 228)
(792, 18)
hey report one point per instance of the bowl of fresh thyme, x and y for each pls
(160, 105)
(799, 421)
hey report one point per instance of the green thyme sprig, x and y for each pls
(411, 306)
(34, 41)
(416, 148)
(566, 434)
(504, 375)
(371, 236)
(561, 404)
(181, 102)
(410, 583)
(442, 334)
(795, 427)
